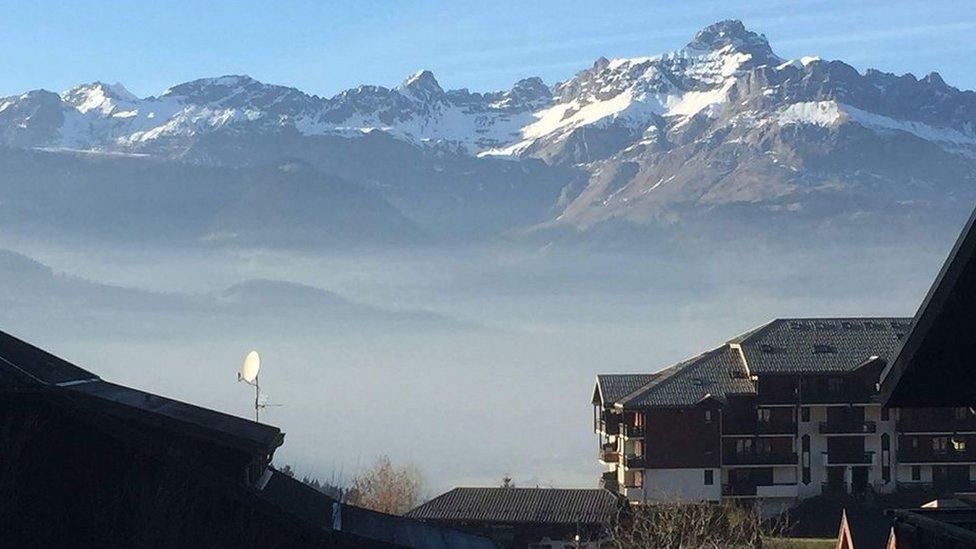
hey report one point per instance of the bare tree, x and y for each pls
(386, 488)
(691, 525)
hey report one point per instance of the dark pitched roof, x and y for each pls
(21, 360)
(510, 505)
(820, 345)
(305, 502)
(934, 365)
(613, 387)
(132, 403)
(34, 367)
(716, 374)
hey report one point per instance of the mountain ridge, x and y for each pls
(722, 124)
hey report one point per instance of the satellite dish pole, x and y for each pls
(249, 374)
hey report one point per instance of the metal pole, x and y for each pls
(257, 400)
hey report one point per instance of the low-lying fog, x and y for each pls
(472, 364)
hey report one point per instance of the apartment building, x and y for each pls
(784, 412)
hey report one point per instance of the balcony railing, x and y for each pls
(928, 455)
(847, 427)
(633, 461)
(748, 489)
(608, 480)
(608, 454)
(848, 458)
(631, 431)
(752, 427)
(846, 396)
(936, 425)
(608, 426)
(760, 458)
(946, 486)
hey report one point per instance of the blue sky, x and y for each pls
(324, 47)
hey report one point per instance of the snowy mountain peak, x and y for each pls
(732, 33)
(98, 95)
(422, 85)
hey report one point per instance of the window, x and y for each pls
(959, 444)
(708, 416)
(940, 444)
(764, 415)
(884, 414)
(805, 413)
(916, 472)
(743, 446)
(914, 442)
(709, 477)
(835, 385)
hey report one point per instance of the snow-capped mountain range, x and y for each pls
(722, 122)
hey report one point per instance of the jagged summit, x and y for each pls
(422, 85)
(733, 33)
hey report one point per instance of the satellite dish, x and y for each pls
(252, 364)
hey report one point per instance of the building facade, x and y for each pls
(787, 411)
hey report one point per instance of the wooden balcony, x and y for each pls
(848, 427)
(760, 458)
(848, 458)
(755, 427)
(936, 425)
(928, 455)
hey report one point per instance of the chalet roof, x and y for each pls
(613, 387)
(934, 366)
(132, 403)
(31, 366)
(521, 505)
(715, 374)
(22, 361)
(820, 345)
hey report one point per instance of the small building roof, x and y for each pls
(801, 346)
(521, 505)
(716, 374)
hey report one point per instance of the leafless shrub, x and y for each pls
(691, 526)
(387, 488)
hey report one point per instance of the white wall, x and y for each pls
(681, 485)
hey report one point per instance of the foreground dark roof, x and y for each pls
(521, 505)
(128, 402)
(934, 366)
(820, 345)
(23, 365)
(313, 506)
(716, 374)
(22, 361)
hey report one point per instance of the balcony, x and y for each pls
(847, 396)
(928, 455)
(631, 431)
(848, 458)
(942, 487)
(848, 427)
(936, 425)
(608, 480)
(608, 454)
(760, 458)
(634, 461)
(749, 490)
(755, 427)
(608, 426)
